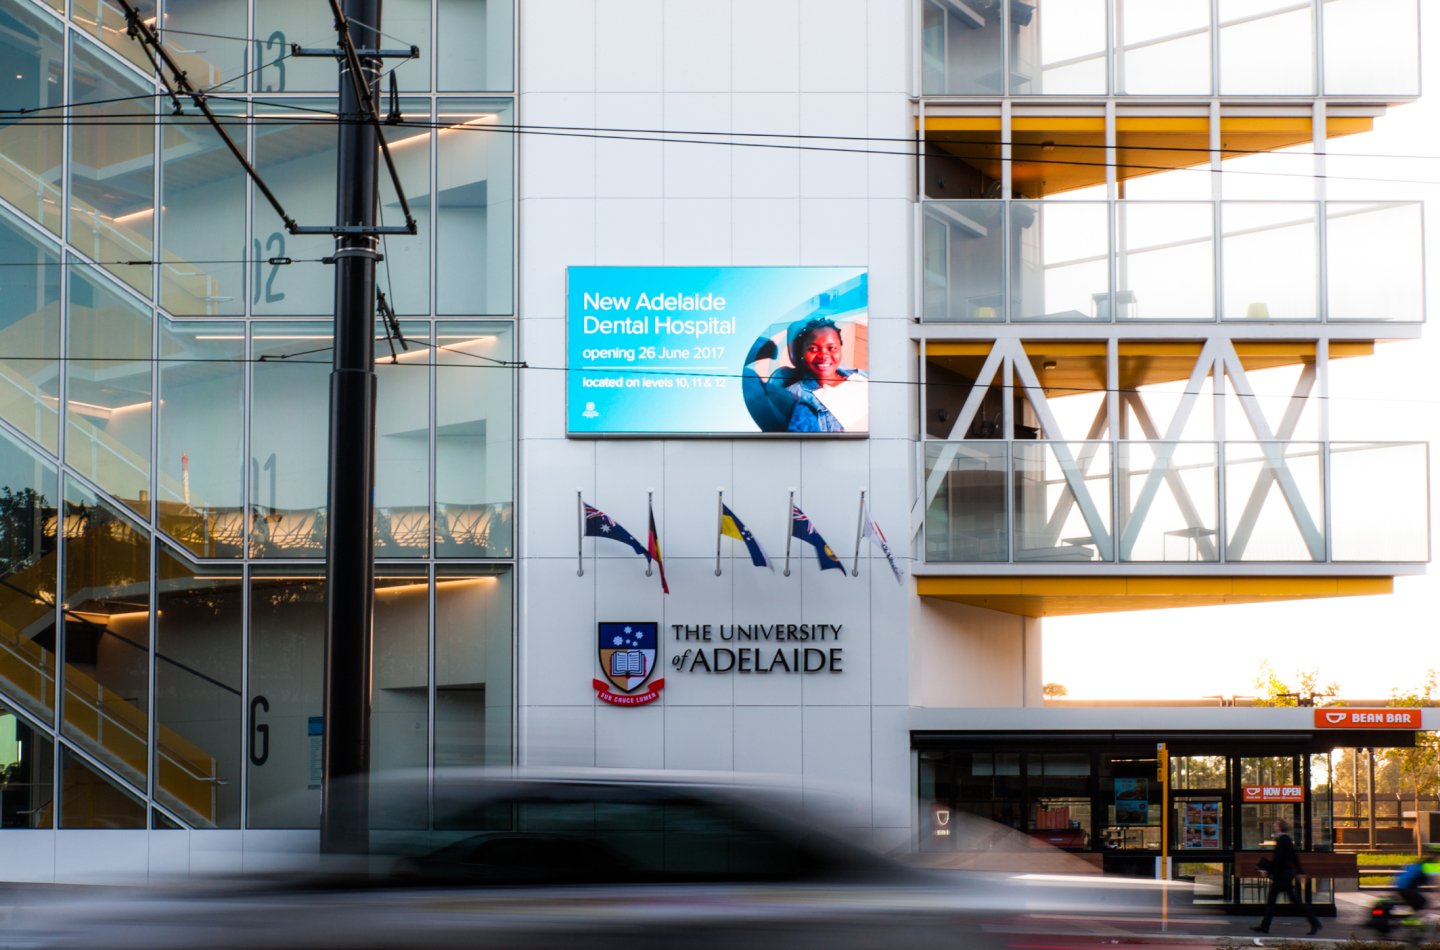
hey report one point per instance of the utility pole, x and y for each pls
(349, 558)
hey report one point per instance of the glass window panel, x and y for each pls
(112, 165)
(287, 703)
(1322, 801)
(965, 260)
(30, 331)
(474, 440)
(31, 148)
(1198, 823)
(407, 23)
(27, 774)
(198, 703)
(964, 164)
(1059, 48)
(1189, 772)
(1057, 155)
(474, 643)
(966, 519)
(1374, 261)
(476, 45)
(202, 218)
(1273, 502)
(1163, 157)
(402, 448)
(1269, 261)
(207, 39)
(1371, 47)
(1267, 48)
(399, 711)
(1060, 264)
(282, 23)
(970, 40)
(475, 197)
(201, 464)
(1062, 501)
(107, 389)
(1169, 501)
(105, 21)
(404, 275)
(295, 154)
(106, 644)
(289, 438)
(89, 799)
(1379, 501)
(1163, 48)
(29, 499)
(1155, 379)
(1165, 261)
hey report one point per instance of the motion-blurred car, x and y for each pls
(580, 861)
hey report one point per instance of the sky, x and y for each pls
(1369, 646)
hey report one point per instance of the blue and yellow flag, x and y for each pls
(733, 527)
(803, 529)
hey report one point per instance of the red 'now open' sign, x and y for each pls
(1272, 793)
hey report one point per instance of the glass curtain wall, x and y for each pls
(176, 659)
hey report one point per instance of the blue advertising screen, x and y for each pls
(717, 351)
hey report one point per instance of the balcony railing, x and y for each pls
(1078, 261)
(1039, 502)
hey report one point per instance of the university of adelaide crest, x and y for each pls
(628, 652)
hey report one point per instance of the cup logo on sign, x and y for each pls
(1335, 717)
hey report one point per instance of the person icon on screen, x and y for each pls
(828, 397)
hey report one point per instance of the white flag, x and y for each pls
(876, 537)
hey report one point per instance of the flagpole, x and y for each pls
(719, 525)
(859, 533)
(789, 531)
(579, 535)
(650, 508)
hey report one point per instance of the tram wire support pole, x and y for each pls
(349, 554)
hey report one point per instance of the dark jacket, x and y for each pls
(1284, 862)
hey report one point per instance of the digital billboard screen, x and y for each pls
(717, 351)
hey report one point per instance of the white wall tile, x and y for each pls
(766, 50)
(891, 131)
(553, 59)
(629, 231)
(628, 38)
(217, 852)
(765, 598)
(767, 740)
(766, 231)
(892, 397)
(552, 471)
(109, 856)
(556, 233)
(833, 231)
(542, 394)
(837, 598)
(891, 229)
(29, 855)
(558, 165)
(833, 45)
(694, 471)
(558, 642)
(893, 801)
(698, 598)
(888, 35)
(169, 854)
(629, 169)
(699, 167)
(838, 166)
(558, 736)
(696, 46)
(697, 231)
(290, 850)
(701, 738)
(837, 757)
(766, 166)
(630, 737)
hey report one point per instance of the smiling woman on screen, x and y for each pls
(829, 397)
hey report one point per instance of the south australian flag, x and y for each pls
(804, 530)
(600, 525)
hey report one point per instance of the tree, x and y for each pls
(1054, 690)
(1419, 766)
(1273, 691)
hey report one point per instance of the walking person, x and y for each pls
(1283, 869)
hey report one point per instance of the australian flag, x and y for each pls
(804, 530)
(600, 525)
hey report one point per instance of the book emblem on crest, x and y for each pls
(627, 651)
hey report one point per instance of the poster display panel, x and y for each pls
(724, 351)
